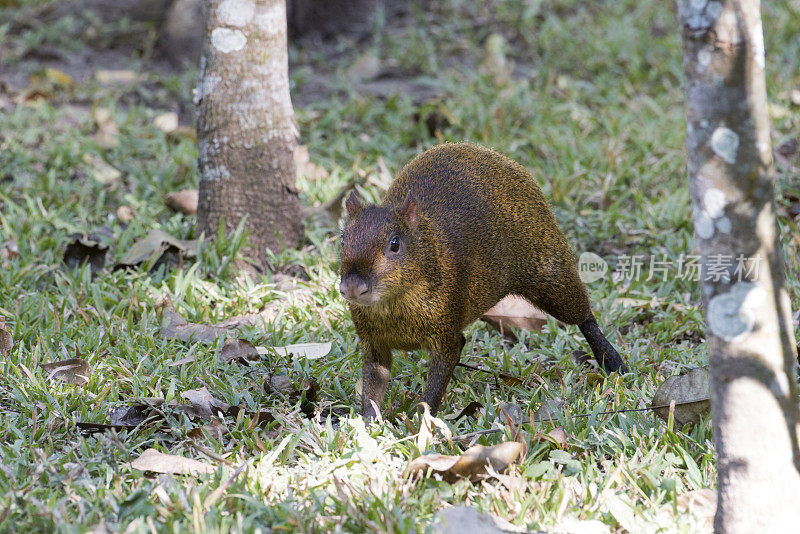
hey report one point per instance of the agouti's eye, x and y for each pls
(394, 245)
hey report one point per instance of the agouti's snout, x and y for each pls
(460, 228)
(356, 290)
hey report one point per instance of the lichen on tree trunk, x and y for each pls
(246, 129)
(751, 352)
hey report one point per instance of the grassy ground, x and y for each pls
(589, 100)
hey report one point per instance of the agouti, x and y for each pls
(460, 228)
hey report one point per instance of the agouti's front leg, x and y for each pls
(376, 371)
(444, 357)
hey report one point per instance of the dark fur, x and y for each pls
(474, 227)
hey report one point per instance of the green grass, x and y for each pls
(594, 110)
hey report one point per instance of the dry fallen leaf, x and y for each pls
(166, 122)
(307, 351)
(238, 350)
(366, 67)
(101, 171)
(159, 246)
(281, 384)
(427, 428)
(304, 167)
(468, 411)
(173, 326)
(691, 392)
(107, 77)
(184, 201)
(9, 250)
(124, 214)
(204, 404)
(75, 371)
(558, 436)
(158, 462)
(106, 132)
(130, 416)
(468, 520)
(216, 429)
(471, 464)
(6, 339)
(514, 312)
(701, 502)
(85, 249)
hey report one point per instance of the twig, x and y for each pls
(609, 412)
(210, 454)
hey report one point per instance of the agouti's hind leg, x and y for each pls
(565, 298)
(443, 360)
(604, 352)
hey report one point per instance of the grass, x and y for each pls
(594, 109)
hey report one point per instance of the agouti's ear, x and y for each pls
(410, 213)
(353, 205)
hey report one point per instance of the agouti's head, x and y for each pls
(377, 249)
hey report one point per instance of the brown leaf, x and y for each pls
(215, 428)
(238, 350)
(251, 319)
(158, 462)
(9, 250)
(75, 371)
(130, 416)
(6, 339)
(86, 249)
(514, 312)
(281, 384)
(691, 392)
(166, 122)
(261, 419)
(794, 210)
(106, 132)
(788, 149)
(159, 246)
(471, 464)
(204, 404)
(101, 171)
(558, 436)
(125, 214)
(184, 201)
(304, 166)
(468, 411)
(173, 326)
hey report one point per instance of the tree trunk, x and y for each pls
(751, 352)
(246, 130)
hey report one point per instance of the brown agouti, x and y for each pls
(460, 228)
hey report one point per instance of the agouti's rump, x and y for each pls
(461, 227)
